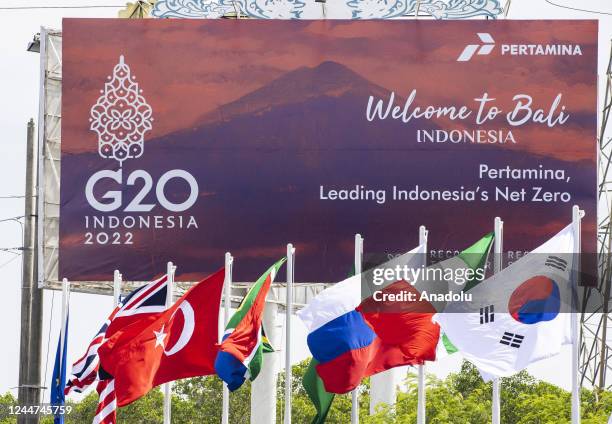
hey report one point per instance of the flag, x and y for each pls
(474, 257)
(180, 343)
(519, 315)
(315, 389)
(143, 304)
(146, 302)
(241, 351)
(352, 335)
(58, 380)
(352, 342)
(457, 274)
(106, 411)
(445, 347)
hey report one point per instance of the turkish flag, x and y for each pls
(181, 343)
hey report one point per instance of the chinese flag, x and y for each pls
(181, 343)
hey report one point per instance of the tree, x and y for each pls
(7, 400)
(461, 398)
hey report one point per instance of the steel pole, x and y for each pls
(117, 280)
(288, 314)
(355, 393)
(576, 221)
(421, 411)
(497, 267)
(227, 299)
(167, 387)
(31, 296)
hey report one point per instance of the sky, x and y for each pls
(19, 74)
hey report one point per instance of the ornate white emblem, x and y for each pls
(459, 9)
(340, 9)
(121, 116)
(211, 9)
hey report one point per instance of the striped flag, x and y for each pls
(241, 351)
(149, 299)
(85, 369)
(106, 412)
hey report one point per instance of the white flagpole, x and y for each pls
(171, 269)
(497, 266)
(65, 299)
(117, 279)
(288, 313)
(227, 299)
(577, 215)
(421, 412)
(354, 393)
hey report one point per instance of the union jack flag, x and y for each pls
(146, 302)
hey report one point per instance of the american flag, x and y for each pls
(148, 299)
(106, 411)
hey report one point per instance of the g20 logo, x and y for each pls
(112, 200)
(120, 117)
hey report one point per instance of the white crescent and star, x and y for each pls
(160, 336)
(186, 331)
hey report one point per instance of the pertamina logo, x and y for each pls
(121, 117)
(488, 44)
(485, 48)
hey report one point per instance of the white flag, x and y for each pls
(518, 316)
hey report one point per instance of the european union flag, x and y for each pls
(59, 376)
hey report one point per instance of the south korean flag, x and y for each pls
(519, 315)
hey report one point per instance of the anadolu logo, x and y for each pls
(487, 45)
(121, 117)
(535, 300)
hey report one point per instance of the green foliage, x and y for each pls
(6, 401)
(461, 398)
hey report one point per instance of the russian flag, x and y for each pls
(353, 338)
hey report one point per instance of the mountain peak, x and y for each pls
(328, 78)
(322, 76)
(331, 66)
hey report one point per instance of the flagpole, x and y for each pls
(171, 269)
(117, 279)
(421, 412)
(288, 313)
(227, 299)
(497, 267)
(354, 393)
(65, 299)
(577, 215)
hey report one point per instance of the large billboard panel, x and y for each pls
(182, 140)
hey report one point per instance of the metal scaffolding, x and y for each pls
(595, 348)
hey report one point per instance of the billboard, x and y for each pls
(182, 140)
